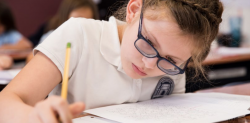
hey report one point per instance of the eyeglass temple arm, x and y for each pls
(186, 64)
(141, 19)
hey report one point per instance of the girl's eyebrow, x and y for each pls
(152, 36)
(176, 58)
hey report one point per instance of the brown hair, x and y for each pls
(6, 17)
(66, 7)
(199, 18)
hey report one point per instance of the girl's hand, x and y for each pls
(5, 62)
(49, 111)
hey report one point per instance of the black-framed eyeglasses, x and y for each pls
(147, 49)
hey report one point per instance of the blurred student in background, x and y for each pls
(10, 38)
(107, 7)
(5, 62)
(67, 9)
(71, 8)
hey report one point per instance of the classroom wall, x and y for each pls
(30, 14)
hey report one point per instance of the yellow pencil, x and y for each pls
(65, 74)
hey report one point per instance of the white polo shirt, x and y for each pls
(96, 74)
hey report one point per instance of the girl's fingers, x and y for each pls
(61, 106)
(76, 108)
(46, 113)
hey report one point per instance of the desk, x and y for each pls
(228, 59)
(227, 55)
(245, 119)
(242, 89)
(221, 70)
(17, 54)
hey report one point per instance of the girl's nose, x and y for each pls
(150, 62)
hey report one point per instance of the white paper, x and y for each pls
(188, 108)
(92, 119)
(7, 75)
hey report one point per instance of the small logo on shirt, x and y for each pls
(165, 86)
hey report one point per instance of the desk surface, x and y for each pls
(17, 54)
(245, 119)
(242, 89)
(224, 55)
(228, 59)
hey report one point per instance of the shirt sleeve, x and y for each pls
(45, 36)
(14, 37)
(54, 46)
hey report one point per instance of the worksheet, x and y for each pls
(92, 119)
(179, 108)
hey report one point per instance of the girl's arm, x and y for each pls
(22, 44)
(30, 86)
(29, 57)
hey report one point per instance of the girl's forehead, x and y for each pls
(167, 27)
(160, 13)
(162, 18)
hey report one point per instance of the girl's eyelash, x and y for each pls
(149, 41)
(167, 57)
(170, 59)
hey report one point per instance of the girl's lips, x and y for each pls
(137, 70)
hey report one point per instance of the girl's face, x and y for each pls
(85, 12)
(166, 37)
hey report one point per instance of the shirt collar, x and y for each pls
(110, 47)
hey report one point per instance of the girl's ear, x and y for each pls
(133, 7)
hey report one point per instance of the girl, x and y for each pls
(10, 38)
(72, 8)
(68, 9)
(113, 62)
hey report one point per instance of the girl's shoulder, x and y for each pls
(91, 24)
(91, 27)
